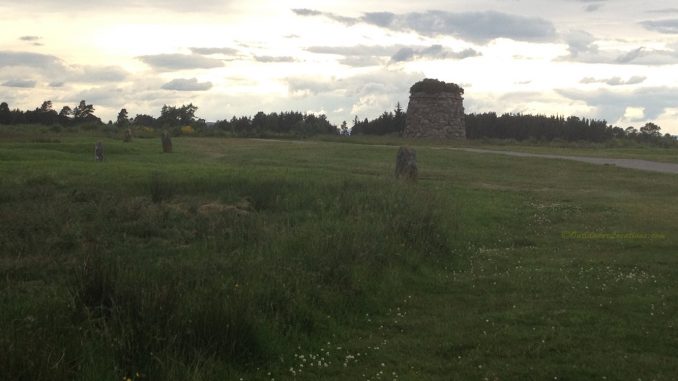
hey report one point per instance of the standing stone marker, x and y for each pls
(166, 142)
(435, 110)
(99, 151)
(128, 135)
(406, 164)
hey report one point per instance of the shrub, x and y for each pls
(187, 130)
(434, 86)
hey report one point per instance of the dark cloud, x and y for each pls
(432, 52)
(662, 26)
(56, 84)
(192, 84)
(91, 74)
(333, 16)
(357, 50)
(579, 42)
(272, 59)
(593, 7)
(645, 56)
(34, 60)
(29, 38)
(22, 83)
(361, 61)
(211, 51)
(479, 27)
(175, 62)
(366, 55)
(615, 81)
(307, 12)
(404, 54)
(54, 69)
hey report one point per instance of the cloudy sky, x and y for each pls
(611, 59)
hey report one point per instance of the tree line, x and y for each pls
(522, 127)
(46, 115)
(284, 123)
(173, 118)
(519, 127)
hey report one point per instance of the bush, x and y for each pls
(187, 130)
(434, 86)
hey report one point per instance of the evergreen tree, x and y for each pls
(123, 119)
(5, 114)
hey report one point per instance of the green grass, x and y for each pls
(232, 259)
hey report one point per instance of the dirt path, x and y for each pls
(643, 165)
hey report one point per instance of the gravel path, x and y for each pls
(643, 165)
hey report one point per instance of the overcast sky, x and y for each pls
(610, 59)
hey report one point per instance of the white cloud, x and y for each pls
(612, 105)
(585, 48)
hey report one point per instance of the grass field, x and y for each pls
(285, 260)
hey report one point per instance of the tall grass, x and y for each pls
(157, 278)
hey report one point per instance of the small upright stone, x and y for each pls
(406, 164)
(128, 135)
(166, 142)
(99, 151)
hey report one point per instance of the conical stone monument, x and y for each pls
(435, 110)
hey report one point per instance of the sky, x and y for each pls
(608, 59)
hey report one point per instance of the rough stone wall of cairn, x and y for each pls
(435, 115)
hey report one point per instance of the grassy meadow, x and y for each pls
(255, 259)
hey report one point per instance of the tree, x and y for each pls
(123, 119)
(400, 119)
(5, 114)
(144, 120)
(259, 122)
(65, 115)
(46, 106)
(650, 129)
(171, 116)
(83, 111)
(344, 129)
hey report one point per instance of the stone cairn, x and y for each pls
(128, 136)
(99, 151)
(166, 142)
(435, 110)
(406, 164)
